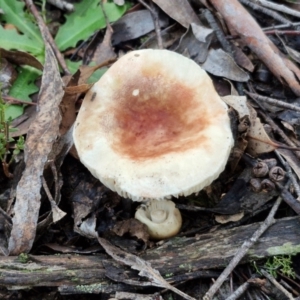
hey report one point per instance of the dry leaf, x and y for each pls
(223, 219)
(179, 10)
(196, 40)
(258, 139)
(21, 58)
(23, 122)
(87, 227)
(220, 63)
(41, 135)
(239, 103)
(104, 50)
(242, 59)
(133, 227)
(134, 25)
(57, 213)
(78, 89)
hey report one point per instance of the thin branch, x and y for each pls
(12, 100)
(282, 26)
(282, 8)
(288, 198)
(226, 45)
(273, 101)
(240, 291)
(277, 285)
(242, 251)
(155, 21)
(283, 32)
(289, 173)
(266, 11)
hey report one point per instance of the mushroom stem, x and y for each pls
(158, 216)
(161, 217)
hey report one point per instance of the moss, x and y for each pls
(187, 267)
(287, 248)
(90, 288)
(23, 258)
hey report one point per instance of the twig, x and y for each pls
(243, 250)
(12, 100)
(273, 101)
(278, 7)
(289, 198)
(155, 21)
(277, 284)
(61, 4)
(288, 287)
(238, 292)
(283, 32)
(47, 35)
(46, 188)
(282, 26)
(6, 216)
(225, 43)
(266, 11)
(289, 173)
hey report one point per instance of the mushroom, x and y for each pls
(153, 127)
(162, 218)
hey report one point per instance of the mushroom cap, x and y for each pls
(162, 218)
(153, 127)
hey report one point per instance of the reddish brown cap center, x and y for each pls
(156, 115)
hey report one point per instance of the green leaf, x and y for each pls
(11, 40)
(22, 88)
(85, 20)
(31, 39)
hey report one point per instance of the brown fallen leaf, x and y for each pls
(41, 135)
(242, 59)
(21, 58)
(221, 64)
(133, 227)
(74, 86)
(179, 10)
(134, 25)
(196, 40)
(258, 139)
(78, 89)
(239, 103)
(104, 51)
(224, 219)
